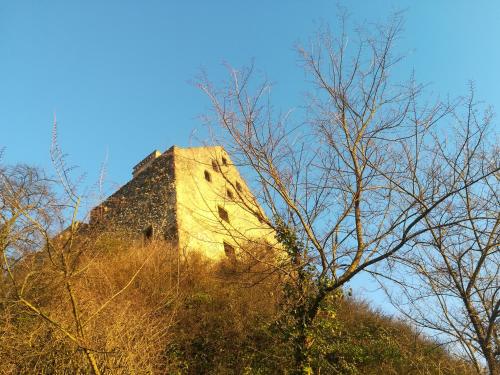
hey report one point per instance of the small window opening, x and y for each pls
(215, 166)
(238, 186)
(148, 233)
(229, 250)
(100, 211)
(97, 214)
(208, 177)
(229, 194)
(223, 214)
(224, 161)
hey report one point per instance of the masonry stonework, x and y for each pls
(192, 197)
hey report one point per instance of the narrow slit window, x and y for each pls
(224, 161)
(223, 214)
(238, 186)
(229, 250)
(148, 233)
(208, 177)
(97, 214)
(229, 194)
(215, 166)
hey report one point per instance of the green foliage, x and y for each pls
(342, 336)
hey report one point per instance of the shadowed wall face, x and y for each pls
(145, 205)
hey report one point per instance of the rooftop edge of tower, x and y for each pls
(146, 162)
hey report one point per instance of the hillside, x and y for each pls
(145, 310)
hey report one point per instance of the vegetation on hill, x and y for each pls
(145, 310)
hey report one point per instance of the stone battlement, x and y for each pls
(144, 163)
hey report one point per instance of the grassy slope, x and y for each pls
(193, 317)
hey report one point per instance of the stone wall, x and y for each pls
(216, 211)
(194, 197)
(145, 205)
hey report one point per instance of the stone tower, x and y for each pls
(193, 197)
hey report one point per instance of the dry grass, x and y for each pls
(144, 310)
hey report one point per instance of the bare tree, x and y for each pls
(451, 283)
(44, 264)
(352, 183)
(29, 211)
(27, 187)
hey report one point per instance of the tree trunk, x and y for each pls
(303, 353)
(493, 365)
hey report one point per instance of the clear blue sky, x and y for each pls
(117, 72)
